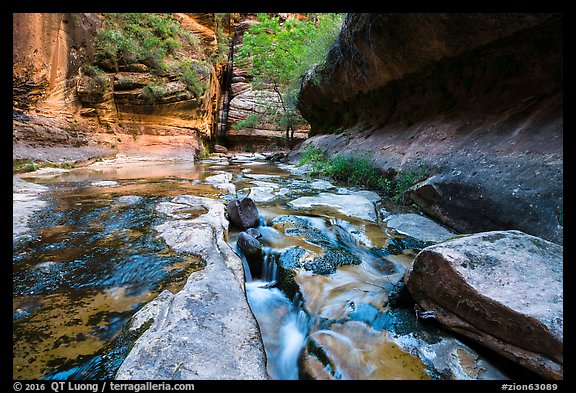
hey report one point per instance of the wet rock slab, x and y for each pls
(222, 181)
(503, 289)
(354, 205)
(206, 330)
(419, 227)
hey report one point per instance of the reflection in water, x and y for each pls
(92, 261)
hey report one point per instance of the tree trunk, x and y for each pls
(288, 127)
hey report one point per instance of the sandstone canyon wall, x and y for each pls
(62, 113)
(475, 98)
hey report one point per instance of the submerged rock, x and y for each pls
(345, 350)
(129, 199)
(243, 213)
(330, 260)
(500, 288)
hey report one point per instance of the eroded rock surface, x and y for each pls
(503, 289)
(205, 331)
(477, 98)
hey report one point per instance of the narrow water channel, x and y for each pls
(92, 259)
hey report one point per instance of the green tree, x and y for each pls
(279, 53)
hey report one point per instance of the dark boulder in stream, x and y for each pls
(243, 213)
(503, 289)
(252, 250)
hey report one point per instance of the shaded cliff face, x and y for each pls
(475, 98)
(59, 104)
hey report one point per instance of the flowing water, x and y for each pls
(92, 259)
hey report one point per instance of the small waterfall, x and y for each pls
(293, 333)
(283, 324)
(269, 267)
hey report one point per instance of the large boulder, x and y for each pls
(243, 213)
(503, 289)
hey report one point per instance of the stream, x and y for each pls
(91, 259)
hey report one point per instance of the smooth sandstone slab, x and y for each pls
(419, 227)
(353, 205)
(206, 330)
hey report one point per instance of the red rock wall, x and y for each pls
(49, 95)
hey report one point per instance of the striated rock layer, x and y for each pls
(56, 104)
(502, 289)
(476, 99)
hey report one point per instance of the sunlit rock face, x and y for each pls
(476, 98)
(57, 103)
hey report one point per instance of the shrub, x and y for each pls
(138, 37)
(190, 72)
(153, 92)
(314, 157)
(250, 122)
(24, 165)
(405, 180)
(360, 171)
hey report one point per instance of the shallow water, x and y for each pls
(93, 259)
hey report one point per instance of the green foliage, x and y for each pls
(360, 171)
(91, 70)
(250, 122)
(278, 54)
(100, 79)
(138, 37)
(315, 158)
(190, 73)
(153, 93)
(219, 55)
(357, 170)
(405, 180)
(29, 165)
(24, 165)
